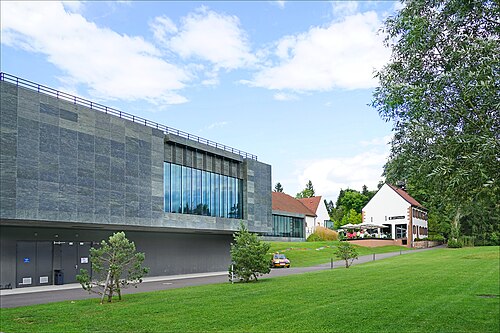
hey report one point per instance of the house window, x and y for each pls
(401, 230)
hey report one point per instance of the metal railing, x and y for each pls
(108, 110)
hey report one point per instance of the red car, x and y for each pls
(280, 260)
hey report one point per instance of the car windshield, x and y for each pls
(279, 256)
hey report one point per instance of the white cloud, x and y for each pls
(162, 26)
(343, 8)
(110, 65)
(212, 37)
(332, 174)
(217, 125)
(285, 97)
(386, 140)
(72, 6)
(341, 55)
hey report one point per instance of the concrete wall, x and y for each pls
(166, 253)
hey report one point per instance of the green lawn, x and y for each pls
(431, 291)
(302, 254)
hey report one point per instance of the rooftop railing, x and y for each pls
(108, 110)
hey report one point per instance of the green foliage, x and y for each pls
(308, 192)
(349, 206)
(352, 217)
(278, 188)
(314, 238)
(454, 244)
(466, 241)
(440, 90)
(249, 255)
(115, 265)
(436, 238)
(347, 252)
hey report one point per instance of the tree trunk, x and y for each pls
(456, 225)
(105, 286)
(118, 290)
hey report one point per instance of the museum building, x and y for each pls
(74, 171)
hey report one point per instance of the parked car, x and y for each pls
(280, 260)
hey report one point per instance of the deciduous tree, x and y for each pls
(345, 251)
(441, 91)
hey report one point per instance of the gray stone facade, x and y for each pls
(64, 162)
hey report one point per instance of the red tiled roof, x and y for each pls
(311, 203)
(285, 203)
(406, 196)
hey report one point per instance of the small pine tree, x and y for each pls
(249, 255)
(278, 188)
(115, 265)
(345, 251)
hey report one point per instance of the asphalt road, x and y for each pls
(57, 295)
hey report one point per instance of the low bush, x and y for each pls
(323, 234)
(326, 234)
(467, 241)
(436, 238)
(314, 238)
(455, 244)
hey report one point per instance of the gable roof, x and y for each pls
(285, 203)
(311, 203)
(406, 196)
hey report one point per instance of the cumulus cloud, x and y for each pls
(162, 27)
(332, 174)
(110, 65)
(209, 36)
(343, 55)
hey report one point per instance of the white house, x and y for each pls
(317, 206)
(405, 217)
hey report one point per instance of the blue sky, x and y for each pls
(287, 81)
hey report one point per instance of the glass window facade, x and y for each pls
(287, 226)
(193, 191)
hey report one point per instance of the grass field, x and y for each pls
(444, 290)
(302, 254)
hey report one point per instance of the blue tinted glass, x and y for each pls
(176, 189)
(186, 190)
(166, 186)
(223, 200)
(205, 194)
(192, 191)
(197, 207)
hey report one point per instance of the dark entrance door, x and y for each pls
(33, 263)
(73, 256)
